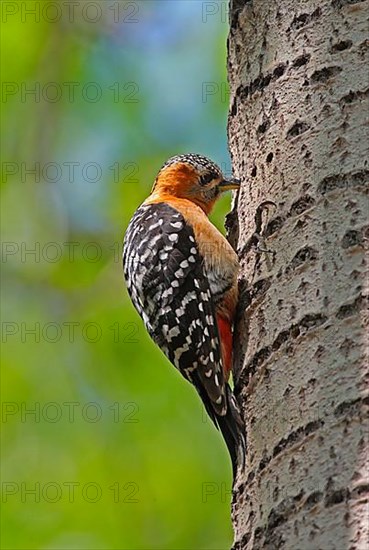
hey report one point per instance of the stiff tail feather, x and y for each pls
(231, 425)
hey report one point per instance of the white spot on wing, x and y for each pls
(176, 225)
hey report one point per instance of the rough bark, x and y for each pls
(298, 134)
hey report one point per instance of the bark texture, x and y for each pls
(298, 134)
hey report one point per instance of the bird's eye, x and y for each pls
(207, 178)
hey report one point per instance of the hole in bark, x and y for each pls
(302, 204)
(313, 320)
(281, 338)
(300, 21)
(257, 536)
(303, 19)
(313, 426)
(234, 107)
(250, 477)
(262, 356)
(279, 70)
(260, 288)
(343, 181)
(275, 518)
(260, 82)
(269, 157)
(295, 331)
(263, 127)
(302, 60)
(300, 224)
(347, 310)
(348, 408)
(360, 490)
(263, 462)
(352, 238)
(265, 81)
(242, 543)
(354, 96)
(305, 254)
(313, 499)
(322, 75)
(273, 226)
(292, 466)
(341, 46)
(336, 497)
(296, 129)
(254, 172)
(319, 352)
(242, 92)
(296, 436)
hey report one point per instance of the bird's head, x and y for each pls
(195, 178)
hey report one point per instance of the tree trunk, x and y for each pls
(298, 72)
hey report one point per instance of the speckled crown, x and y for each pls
(199, 162)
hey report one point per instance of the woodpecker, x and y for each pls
(181, 275)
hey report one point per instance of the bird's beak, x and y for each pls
(231, 183)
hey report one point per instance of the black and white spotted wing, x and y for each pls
(167, 284)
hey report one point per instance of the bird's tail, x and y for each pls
(233, 429)
(231, 425)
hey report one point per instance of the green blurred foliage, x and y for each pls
(118, 451)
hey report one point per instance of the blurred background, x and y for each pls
(104, 445)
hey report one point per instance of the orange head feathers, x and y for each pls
(192, 177)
